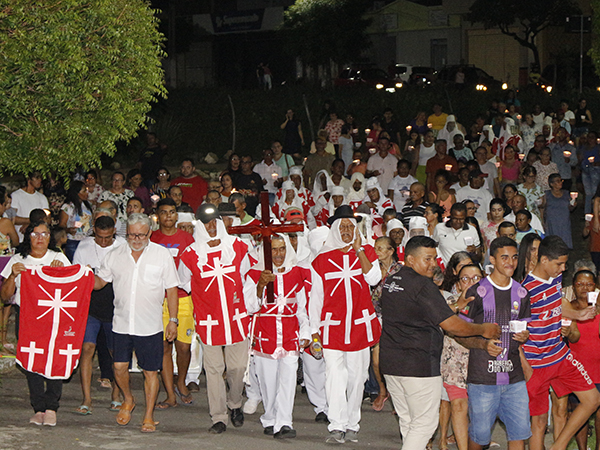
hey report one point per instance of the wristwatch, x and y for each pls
(360, 250)
(174, 319)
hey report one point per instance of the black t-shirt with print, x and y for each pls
(412, 308)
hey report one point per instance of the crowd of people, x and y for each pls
(428, 272)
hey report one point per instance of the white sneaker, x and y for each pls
(37, 419)
(50, 418)
(250, 406)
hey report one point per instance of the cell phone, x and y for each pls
(468, 241)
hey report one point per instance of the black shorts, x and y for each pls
(148, 350)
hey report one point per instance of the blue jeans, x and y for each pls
(590, 178)
(508, 402)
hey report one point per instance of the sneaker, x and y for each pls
(250, 406)
(335, 437)
(351, 436)
(50, 418)
(37, 419)
(269, 431)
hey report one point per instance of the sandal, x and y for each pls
(379, 402)
(105, 383)
(185, 399)
(149, 426)
(165, 405)
(83, 410)
(125, 411)
(115, 405)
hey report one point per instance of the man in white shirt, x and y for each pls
(489, 168)
(27, 199)
(142, 273)
(270, 173)
(475, 192)
(399, 188)
(519, 202)
(456, 235)
(91, 252)
(382, 165)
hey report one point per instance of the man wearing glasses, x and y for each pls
(141, 272)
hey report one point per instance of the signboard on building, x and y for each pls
(231, 22)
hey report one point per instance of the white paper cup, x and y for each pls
(592, 298)
(565, 322)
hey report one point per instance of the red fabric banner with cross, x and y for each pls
(54, 307)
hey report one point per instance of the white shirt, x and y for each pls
(270, 174)
(139, 287)
(492, 172)
(386, 167)
(481, 197)
(89, 253)
(536, 223)
(24, 203)
(451, 241)
(29, 260)
(401, 188)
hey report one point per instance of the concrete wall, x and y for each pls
(414, 47)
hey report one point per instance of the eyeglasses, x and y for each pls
(136, 236)
(37, 235)
(474, 279)
(585, 285)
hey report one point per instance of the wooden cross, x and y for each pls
(266, 229)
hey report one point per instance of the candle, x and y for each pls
(565, 322)
(589, 217)
(518, 116)
(356, 161)
(408, 128)
(592, 298)
(411, 147)
(448, 167)
(367, 130)
(275, 176)
(429, 125)
(497, 164)
(571, 142)
(521, 156)
(574, 195)
(567, 154)
(155, 198)
(591, 159)
(372, 150)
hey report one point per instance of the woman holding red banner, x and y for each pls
(36, 249)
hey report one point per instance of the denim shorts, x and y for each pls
(92, 329)
(508, 402)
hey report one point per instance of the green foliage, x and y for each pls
(320, 31)
(76, 77)
(530, 17)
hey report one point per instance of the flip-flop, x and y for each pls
(83, 410)
(379, 404)
(149, 426)
(164, 405)
(115, 405)
(185, 399)
(124, 415)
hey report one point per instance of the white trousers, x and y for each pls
(253, 388)
(417, 403)
(277, 381)
(345, 376)
(314, 381)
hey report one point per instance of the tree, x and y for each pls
(595, 50)
(76, 76)
(321, 31)
(531, 17)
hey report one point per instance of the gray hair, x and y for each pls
(586, 264)
(136, 218)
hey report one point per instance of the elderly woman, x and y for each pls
(385, 248)
(37, 249)
(93, 188)
(118, 194)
